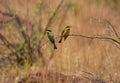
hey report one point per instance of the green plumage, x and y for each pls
(51, 38)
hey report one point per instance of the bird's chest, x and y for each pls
(50, 36)
(67, 32)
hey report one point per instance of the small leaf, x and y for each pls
(35, 39)
(23, 29)
(75, 7)
(12, 12)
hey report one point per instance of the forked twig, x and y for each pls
(50, 21)
(113, 28)
(108, 23)
(97, 37)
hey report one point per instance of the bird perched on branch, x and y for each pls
(51, 38)
(65, 33)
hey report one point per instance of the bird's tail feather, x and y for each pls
(60, 41)
(55, 47)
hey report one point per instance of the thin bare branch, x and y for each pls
(18, 23)
(50, 21)
(6, 14)
(40, 16)
(111, 79)
(116, 44)
(19, 26)
(64, 16)
(9, 45)
(104, 21)
(113, 28)
(6, 21)
(96, 37)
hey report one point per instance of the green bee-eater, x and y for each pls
(65, 33)
(51, 38)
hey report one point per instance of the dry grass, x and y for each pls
(76, 54)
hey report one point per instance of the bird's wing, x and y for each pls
(51, 37)
(63, 32)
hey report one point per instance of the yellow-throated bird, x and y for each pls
(51, 38)
(65, 33)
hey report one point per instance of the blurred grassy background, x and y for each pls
(76, 54)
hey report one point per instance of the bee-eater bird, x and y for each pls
(65, 33)
(51, 38)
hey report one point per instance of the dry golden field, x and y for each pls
(86, 58)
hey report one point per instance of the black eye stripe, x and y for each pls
(49, 30)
